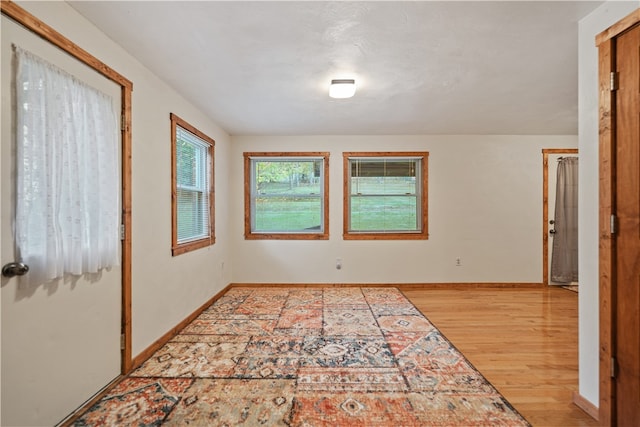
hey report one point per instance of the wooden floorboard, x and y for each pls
(524, 341)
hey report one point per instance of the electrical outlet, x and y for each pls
(338, 263)
(458, 262)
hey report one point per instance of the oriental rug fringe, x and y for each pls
(306, 357)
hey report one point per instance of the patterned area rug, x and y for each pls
(306, 357)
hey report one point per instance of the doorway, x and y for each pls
(62, 341)
(619, 82)
(550, 157)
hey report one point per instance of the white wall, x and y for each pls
(165, 289)
(485, 207)
(600, 19)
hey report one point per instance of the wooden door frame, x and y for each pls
(545, 206)
(606, 42)
(38, 27)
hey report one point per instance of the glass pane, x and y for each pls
(288, 177)
(288, 195)
(191, 160)
(383, 213)
(281, 214)
(383, 185)
(192, 215)
(186, 164)
(192, 186)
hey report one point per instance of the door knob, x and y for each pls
(14, 269)
(552, 231)
(552, 222)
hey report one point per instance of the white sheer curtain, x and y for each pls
(67, 198)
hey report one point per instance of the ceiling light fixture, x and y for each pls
(342, 88)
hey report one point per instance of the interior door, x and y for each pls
(60, 340)
(627, 187)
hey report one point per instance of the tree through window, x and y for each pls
(286, 195)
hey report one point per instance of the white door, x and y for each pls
(60, 340)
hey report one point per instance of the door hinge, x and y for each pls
(614, 80)
(121, 231)
(122, 342)
(612, 224)
(122, 123)
(613, 367)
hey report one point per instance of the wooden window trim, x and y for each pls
(181, 248)
(248, 234)
(423, 235)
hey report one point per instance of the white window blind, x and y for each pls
(193, 165)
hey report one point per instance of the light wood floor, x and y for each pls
(524, 341)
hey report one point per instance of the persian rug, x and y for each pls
(306, 357)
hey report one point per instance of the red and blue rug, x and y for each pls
(306, 357)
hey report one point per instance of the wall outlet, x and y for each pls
(458, 262)
(338, 263)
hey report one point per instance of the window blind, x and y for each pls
(192, 186)
(384, 194)
(383, 167)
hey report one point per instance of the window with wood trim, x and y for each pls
(385, 195)
(192, 200)
(286, 196)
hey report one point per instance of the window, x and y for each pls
(286, 195)
(385, 195)
(192, 187)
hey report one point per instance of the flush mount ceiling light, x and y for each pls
(342, 88)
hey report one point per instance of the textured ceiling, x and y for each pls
(422, 67)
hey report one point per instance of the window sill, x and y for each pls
(286, 236)
(192, 246)
(385, 236)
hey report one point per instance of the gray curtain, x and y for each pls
(564, 257)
